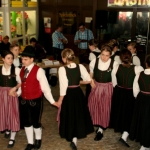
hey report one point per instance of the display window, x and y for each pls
(1, 22)
(30, 3)
(16, 3)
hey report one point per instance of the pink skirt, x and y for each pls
(9, 111)
(99, 103)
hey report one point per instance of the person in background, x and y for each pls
(58, 40)
(40, 52)
(123, 101)
(4, 45)
(115, 52)
(95, 52)
(15, 49)
(99, 101)
(34, 84)
(82, 37)
(74, 117)
(132, 48)
(93, 46)
(140, 126)
(9, 107)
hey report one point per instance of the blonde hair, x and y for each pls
(133, 44)
(68, 54)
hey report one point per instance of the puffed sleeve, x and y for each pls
(138, 69)
(63, 81)
(84, 74)
(91, 65)
(136, 88)
(113, 75)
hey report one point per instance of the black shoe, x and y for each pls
(73, 146)
(7, 135)
(98, 136)
(124, 142)
(11, 145)
(37, 144)
(29, 147)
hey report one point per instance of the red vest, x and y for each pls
(30, 87)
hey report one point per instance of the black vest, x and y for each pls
(73, 75)
(103, 76)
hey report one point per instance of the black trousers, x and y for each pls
(31, 112)
(57, 54)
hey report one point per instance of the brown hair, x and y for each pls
(126, 57)
(106, 48)
(93, 42)
(14, 45)
(147, 61)
(6, 37)
(68, 54)
(113, 43)
(133, 44)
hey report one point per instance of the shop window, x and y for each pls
(30, 22)
(30, 3)
(1, 22)
(16, 3)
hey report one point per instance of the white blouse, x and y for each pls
(92, 56)
(17, 72)
(136, 60)
(63, 81)
(101, 65)
(117, 58)
(45, 88)
(136, 88)
(137, 70)
(16, 62)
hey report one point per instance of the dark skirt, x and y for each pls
(140, 126)
(75, 120)
(122, 109)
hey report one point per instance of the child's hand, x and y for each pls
(93, 84)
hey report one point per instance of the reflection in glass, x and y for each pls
(18, 3)
(30, 3)
(1, 22)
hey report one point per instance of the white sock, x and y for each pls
(12, 137)
(7, 132)
(38, 133)
(125, 135)
(74, 140)
(100, 130)
(29, 134)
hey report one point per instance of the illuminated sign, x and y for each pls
(128, 3)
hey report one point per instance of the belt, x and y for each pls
(125, 87)
(73, 86)
(145, 92)
(31, 99)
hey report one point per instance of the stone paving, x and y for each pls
(52, 141)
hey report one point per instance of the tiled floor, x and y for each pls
(52, 140)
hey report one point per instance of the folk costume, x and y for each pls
(74, 118)
(140, 126)
(9, 107)
(123, 100)
(34, 85)
(99, 101)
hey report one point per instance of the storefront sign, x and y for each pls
(130, 3)
(69, 20)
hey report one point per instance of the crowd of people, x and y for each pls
(117, 92)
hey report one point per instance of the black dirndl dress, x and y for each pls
(123, 100)
(75, 120)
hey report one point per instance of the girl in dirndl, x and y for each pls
(74, 117)
(99, 101)
(9, 108)
(123, 100)
(140, 126)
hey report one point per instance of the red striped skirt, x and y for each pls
(99, 103)
(9, 111)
